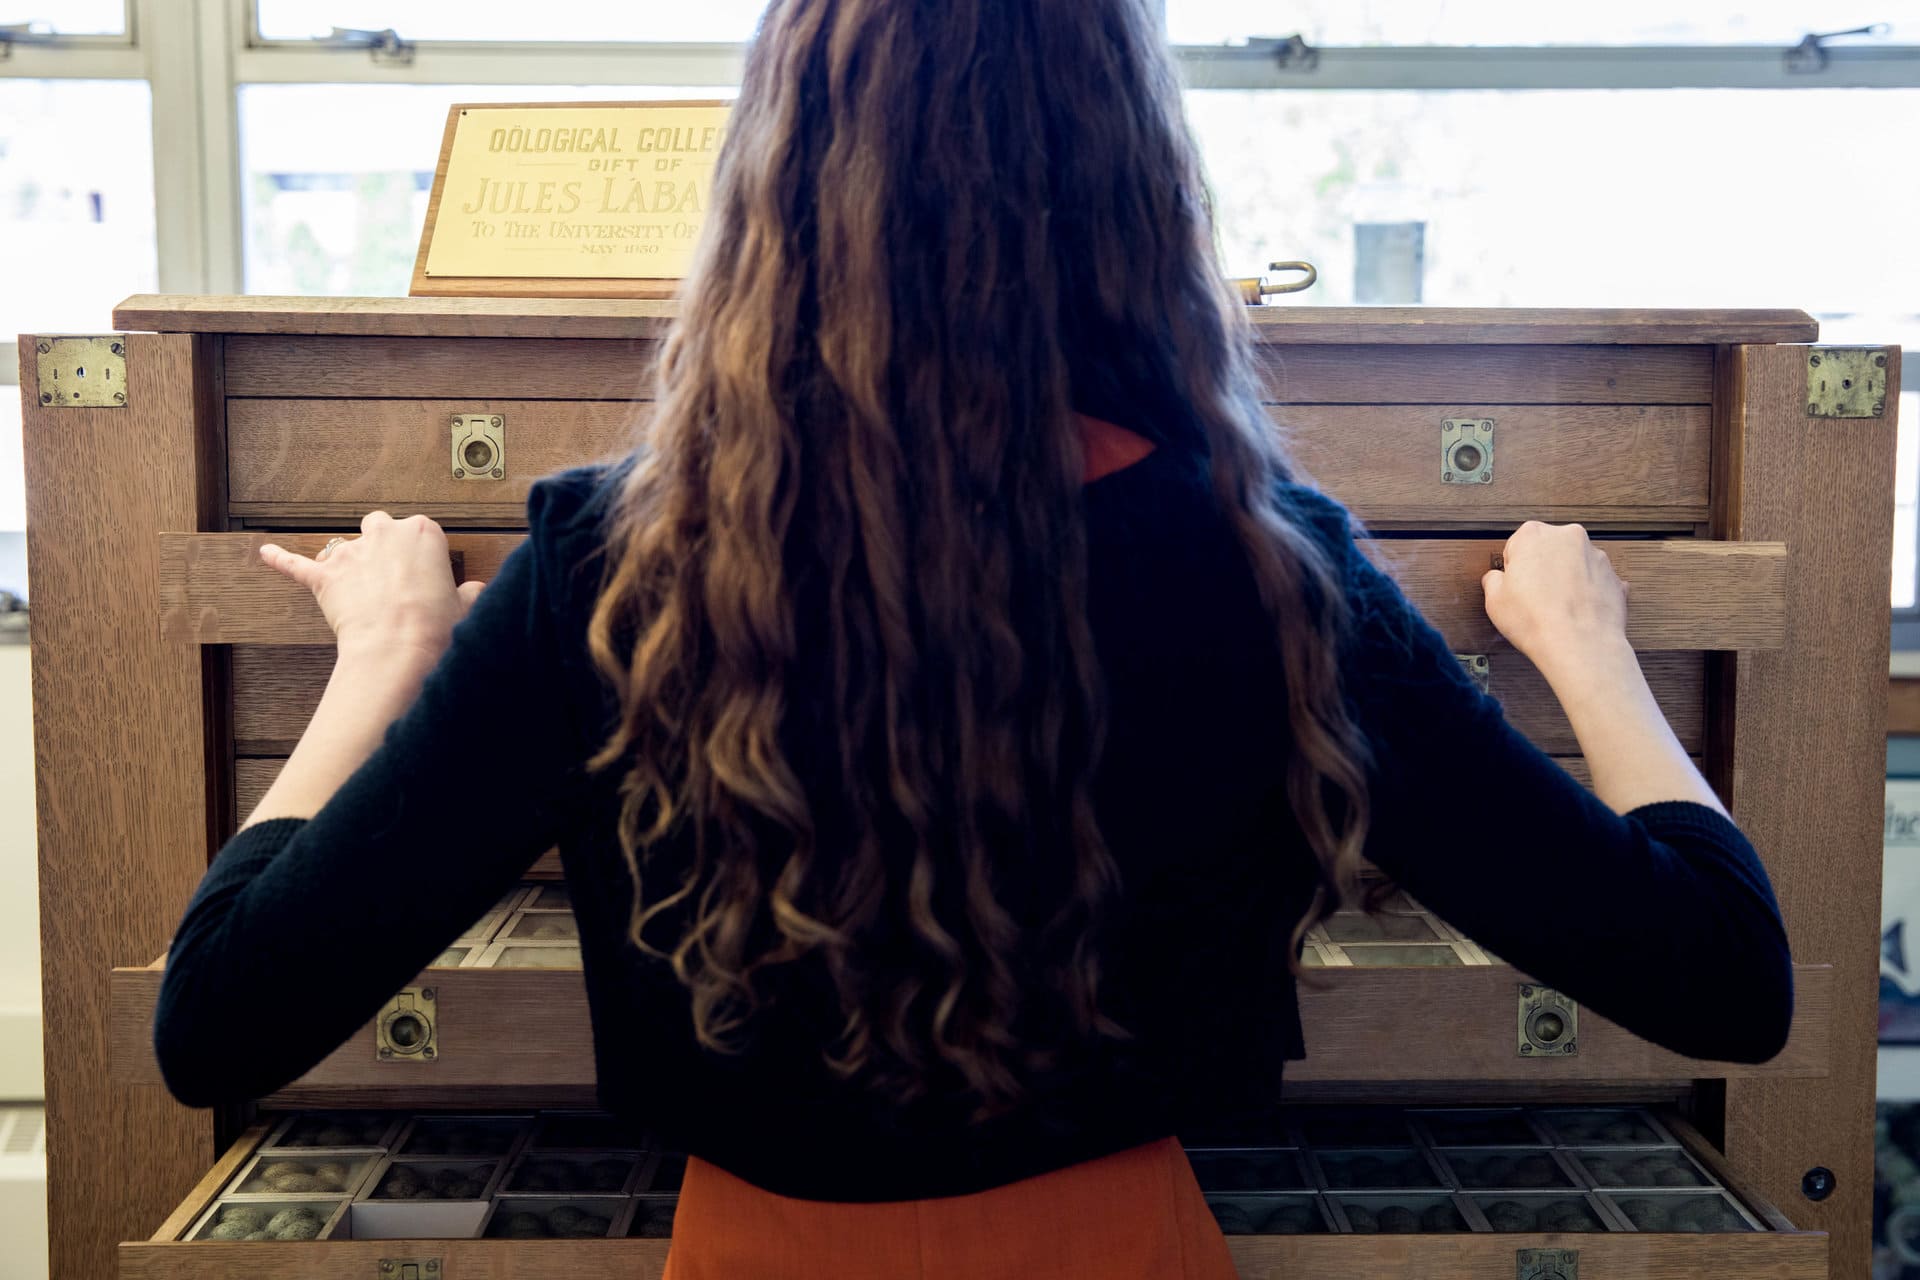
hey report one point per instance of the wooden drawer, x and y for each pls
(1772, 1250)
(521, 1037)
(1687, 594)
(291, 461)
(276, 688)
(1444, 374)
(1606, 465)
(409, 368)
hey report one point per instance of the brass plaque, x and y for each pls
(83, 372)
(1846, 382)
(571, 191)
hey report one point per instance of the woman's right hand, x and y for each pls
(1556, 597)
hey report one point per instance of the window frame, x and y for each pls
(197, 54)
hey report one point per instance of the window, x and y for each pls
(1512, 22)
(553, 20)
(76, 222)
(337, 176)
(67, 17)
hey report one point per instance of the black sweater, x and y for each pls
(1662, 920)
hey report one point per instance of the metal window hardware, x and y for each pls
(1466, 451)
(409, 1269)
(1810, 55)
(1846, 382)
(408, 1027)
(83, 372)
(1549, 1023)
(14, 33)
(1546, 1264)
(385, 47)
(1292, 53)
(1478, 670)
(479, 446)
(1254, 291)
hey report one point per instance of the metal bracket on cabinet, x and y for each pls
(1478, 670)
(407, 1029)
(1466, 451)
(1846, 382)
(1546, 1264)
(1549, 1023)
(83, 372)
(479, 446)
(409, 1269)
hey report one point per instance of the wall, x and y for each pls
(20, 1071)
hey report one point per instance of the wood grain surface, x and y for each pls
(1903, 704)
(418, 368)
(494, 317)
(1488, 374)
(1559, 463)
(121, 777)
(276, 688)
(355, 456)
(1685, 594)
(1808, 772)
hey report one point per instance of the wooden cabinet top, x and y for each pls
(601, 318)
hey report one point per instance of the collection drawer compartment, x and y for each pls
(280, 1173)
(351, 367)
(294, 460)
(1397, 1213)
(1511, 1213)
(1401, 465)
(262, 1218)
(1280, 1215)
(557, 1218)
(1254, 1169)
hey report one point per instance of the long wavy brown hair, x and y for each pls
(939, 227)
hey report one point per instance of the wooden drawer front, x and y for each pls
(275, 691)
(505, 368)
(1489, 375)
(1618, 464)
(1686, 594)
(521, 1037)
(293, 460)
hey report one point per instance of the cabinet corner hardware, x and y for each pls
(479, 446)
(83, 371)
(1546, 1264)
(1258, 289)
(1478, 670)
(1846, 382)
(1549, 1023)
(408, 1028)
(1466, 451)
(409, 1269)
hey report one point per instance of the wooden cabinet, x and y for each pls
(175, 673)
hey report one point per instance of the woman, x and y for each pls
(952, 719)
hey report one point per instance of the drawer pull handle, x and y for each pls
(408, 1027)
(1549, 1023)
(479, 446)
(409, 1269)
(1546, 1264)
(1466, 451)
(1478, 669)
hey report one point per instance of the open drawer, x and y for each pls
(1687, 593)
(1289, 1208)
(509, 1025)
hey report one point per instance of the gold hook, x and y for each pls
(1253, 292)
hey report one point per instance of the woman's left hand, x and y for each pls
(389, 590)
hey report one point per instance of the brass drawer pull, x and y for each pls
(1466, 451)
(1478, 669)
(479, 446)
(1549, 1023)
(1546, 1264)
(407, 1029)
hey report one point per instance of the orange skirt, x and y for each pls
(1135, 1215)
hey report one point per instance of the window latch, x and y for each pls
(14, 33)
(1293, 53)
(1809, 57)
(385, 47)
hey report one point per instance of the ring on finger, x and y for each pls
(326, 550)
